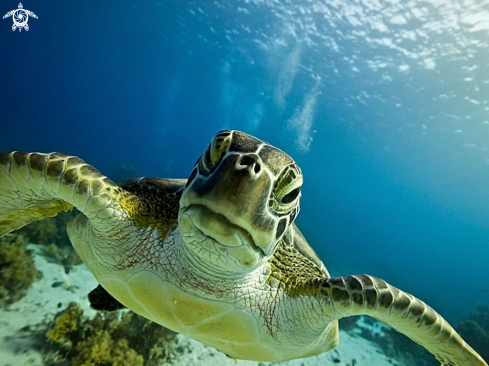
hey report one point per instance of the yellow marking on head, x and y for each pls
(219, 145)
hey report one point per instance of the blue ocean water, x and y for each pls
(384, 105)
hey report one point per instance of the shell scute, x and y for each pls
(236, 326)
(191, 310)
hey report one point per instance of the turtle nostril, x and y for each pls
(247, 161)
(250, 163)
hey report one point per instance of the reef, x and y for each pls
(17, 269)
(475, 330)
(51, 231)
(109, 339)
(65, 256)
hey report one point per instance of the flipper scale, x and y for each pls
(35, 185)
(368, 295)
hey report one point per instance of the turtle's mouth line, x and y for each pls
(218, 228)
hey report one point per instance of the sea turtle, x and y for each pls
(20, 17)
(216, 257)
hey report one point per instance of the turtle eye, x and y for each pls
(286, 190)
(291, 196)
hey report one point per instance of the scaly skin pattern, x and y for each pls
(217, 258)
(35, 185)
(248, 317)
(367, 295)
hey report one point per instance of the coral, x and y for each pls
(137, 330)
(49, 230)
(475, 330)
(108, 339)
(17, 268)
(64, 256)
(66, 322)
(41, 232)
(101, 349)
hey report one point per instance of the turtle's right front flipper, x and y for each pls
(367, 295)
(35, 185)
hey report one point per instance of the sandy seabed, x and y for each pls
(43, 301)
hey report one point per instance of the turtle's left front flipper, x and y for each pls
(367, 295)
(35, 185)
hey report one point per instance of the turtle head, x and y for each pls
(240, 199)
